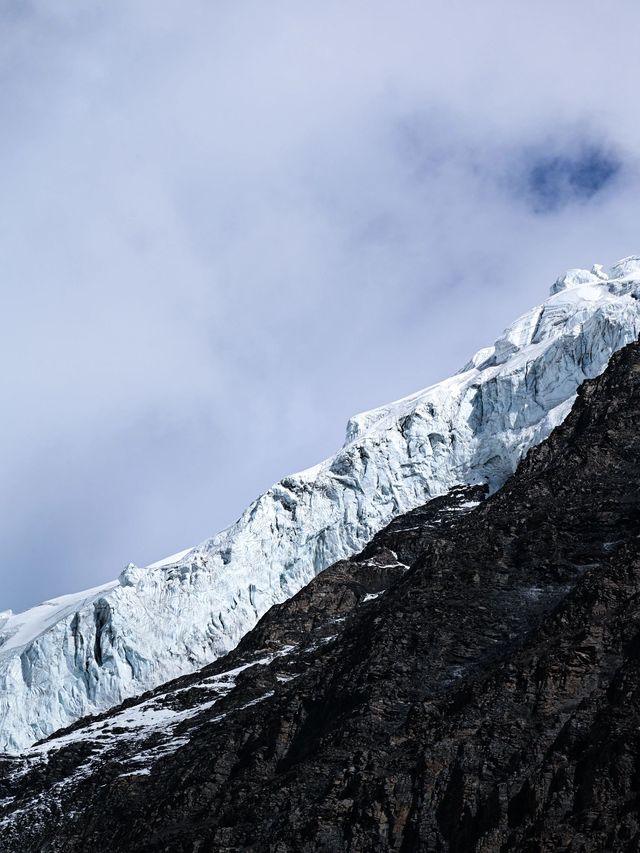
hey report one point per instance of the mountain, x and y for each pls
(84, 653)
(469, 682)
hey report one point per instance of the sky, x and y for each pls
(225, 227)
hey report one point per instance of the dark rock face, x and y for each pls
(470, 682)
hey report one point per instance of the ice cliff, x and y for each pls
(83, 653)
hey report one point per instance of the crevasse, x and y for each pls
(80, 654)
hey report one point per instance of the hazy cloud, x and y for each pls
(226, 227)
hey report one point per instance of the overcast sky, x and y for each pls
(227, 226)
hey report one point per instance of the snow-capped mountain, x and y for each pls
(83, 653)
(469, 681)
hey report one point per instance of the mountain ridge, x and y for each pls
(82, 654)
(469, 682)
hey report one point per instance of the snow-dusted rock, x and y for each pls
(83, 653)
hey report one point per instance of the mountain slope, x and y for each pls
(483, 699)
(81, 654)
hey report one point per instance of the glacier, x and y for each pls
(81, 654)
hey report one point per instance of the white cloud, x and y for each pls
(225, 227)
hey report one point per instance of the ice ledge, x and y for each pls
(627, 268)
(579, 277)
